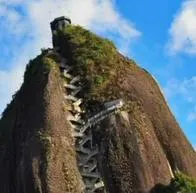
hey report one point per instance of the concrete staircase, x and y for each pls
(86, 149)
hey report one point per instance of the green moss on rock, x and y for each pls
(181, 183)
(42, 64)
(49, 63)
(184, 184)
(93, 57)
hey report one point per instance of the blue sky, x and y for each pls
(159, 35)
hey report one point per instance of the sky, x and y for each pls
(159, 35)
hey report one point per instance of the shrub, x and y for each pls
(183, 183)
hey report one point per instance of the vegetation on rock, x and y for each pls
(94, 58)
(182, 183)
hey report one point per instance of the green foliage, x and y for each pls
(44, 139)
(41, 64)
(183, 183)
(99, 79)
(49, 64)
(89, 49)
(180, 184)
(93, 57)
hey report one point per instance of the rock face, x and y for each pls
(37, 152)
(144, 146)
(140, 147)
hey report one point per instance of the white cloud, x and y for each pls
(97, 15)
(9, 82)
(183, 29)
(185, 89)
(30, 30)
(8, 2)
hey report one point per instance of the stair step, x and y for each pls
(67, 68)
(72, 98)
(85, 127)
(78, 135)
(80, 122)
(66, 75)
(85, 159)
(67, 106)
(99, 185)
(70, 117)
(89, 168)
(117, 103)
(90, 174)
(70, 86)
(75, 79)
(82, 150)
(74, 93)
(73, 126)
(95, 186)
(77, 109)
(86, 139)
(78, 102)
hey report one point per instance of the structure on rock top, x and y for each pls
(59, 23)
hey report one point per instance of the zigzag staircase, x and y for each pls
(86, 149)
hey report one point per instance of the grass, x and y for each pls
(94, 58)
